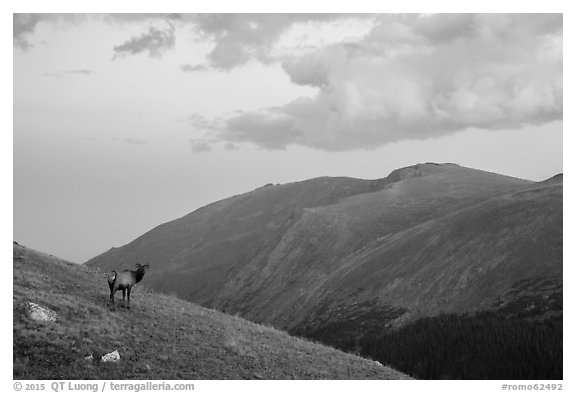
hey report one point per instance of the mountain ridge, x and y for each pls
(260, 253)
(365, 264)
(549, 231)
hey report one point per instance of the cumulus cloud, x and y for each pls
(237, 38)
(411, 77)
(155, 41)
(138, 17)
(23, 28)
(417, 77)
(271, 128)
(199, 146)
(240, 38)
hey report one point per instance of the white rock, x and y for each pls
(111, 357)
(38, 313)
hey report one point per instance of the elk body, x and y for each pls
(125, 280)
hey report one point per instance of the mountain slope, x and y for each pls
(482, 257)
(415, 269)
(474, 294)
(259, 254)
(195, 253)
(161, 337)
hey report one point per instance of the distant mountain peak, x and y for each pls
(405, 173)
(417, 170)
(274, 254)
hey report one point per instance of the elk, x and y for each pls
(125, 280)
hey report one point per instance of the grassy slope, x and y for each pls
(161, 337)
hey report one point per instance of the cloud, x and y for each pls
(155, 41)
(24, 25)
(411, 77)
(237, 38)
(203, 124)
(80, 72)
(416, 77)
(199, 146)
(59, 74)
(269, 128)
(194, 68)
(139, 17)
(240, 38)
(23, 28)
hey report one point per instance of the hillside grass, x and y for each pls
(160, 337)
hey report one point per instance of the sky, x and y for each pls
(124, 121)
